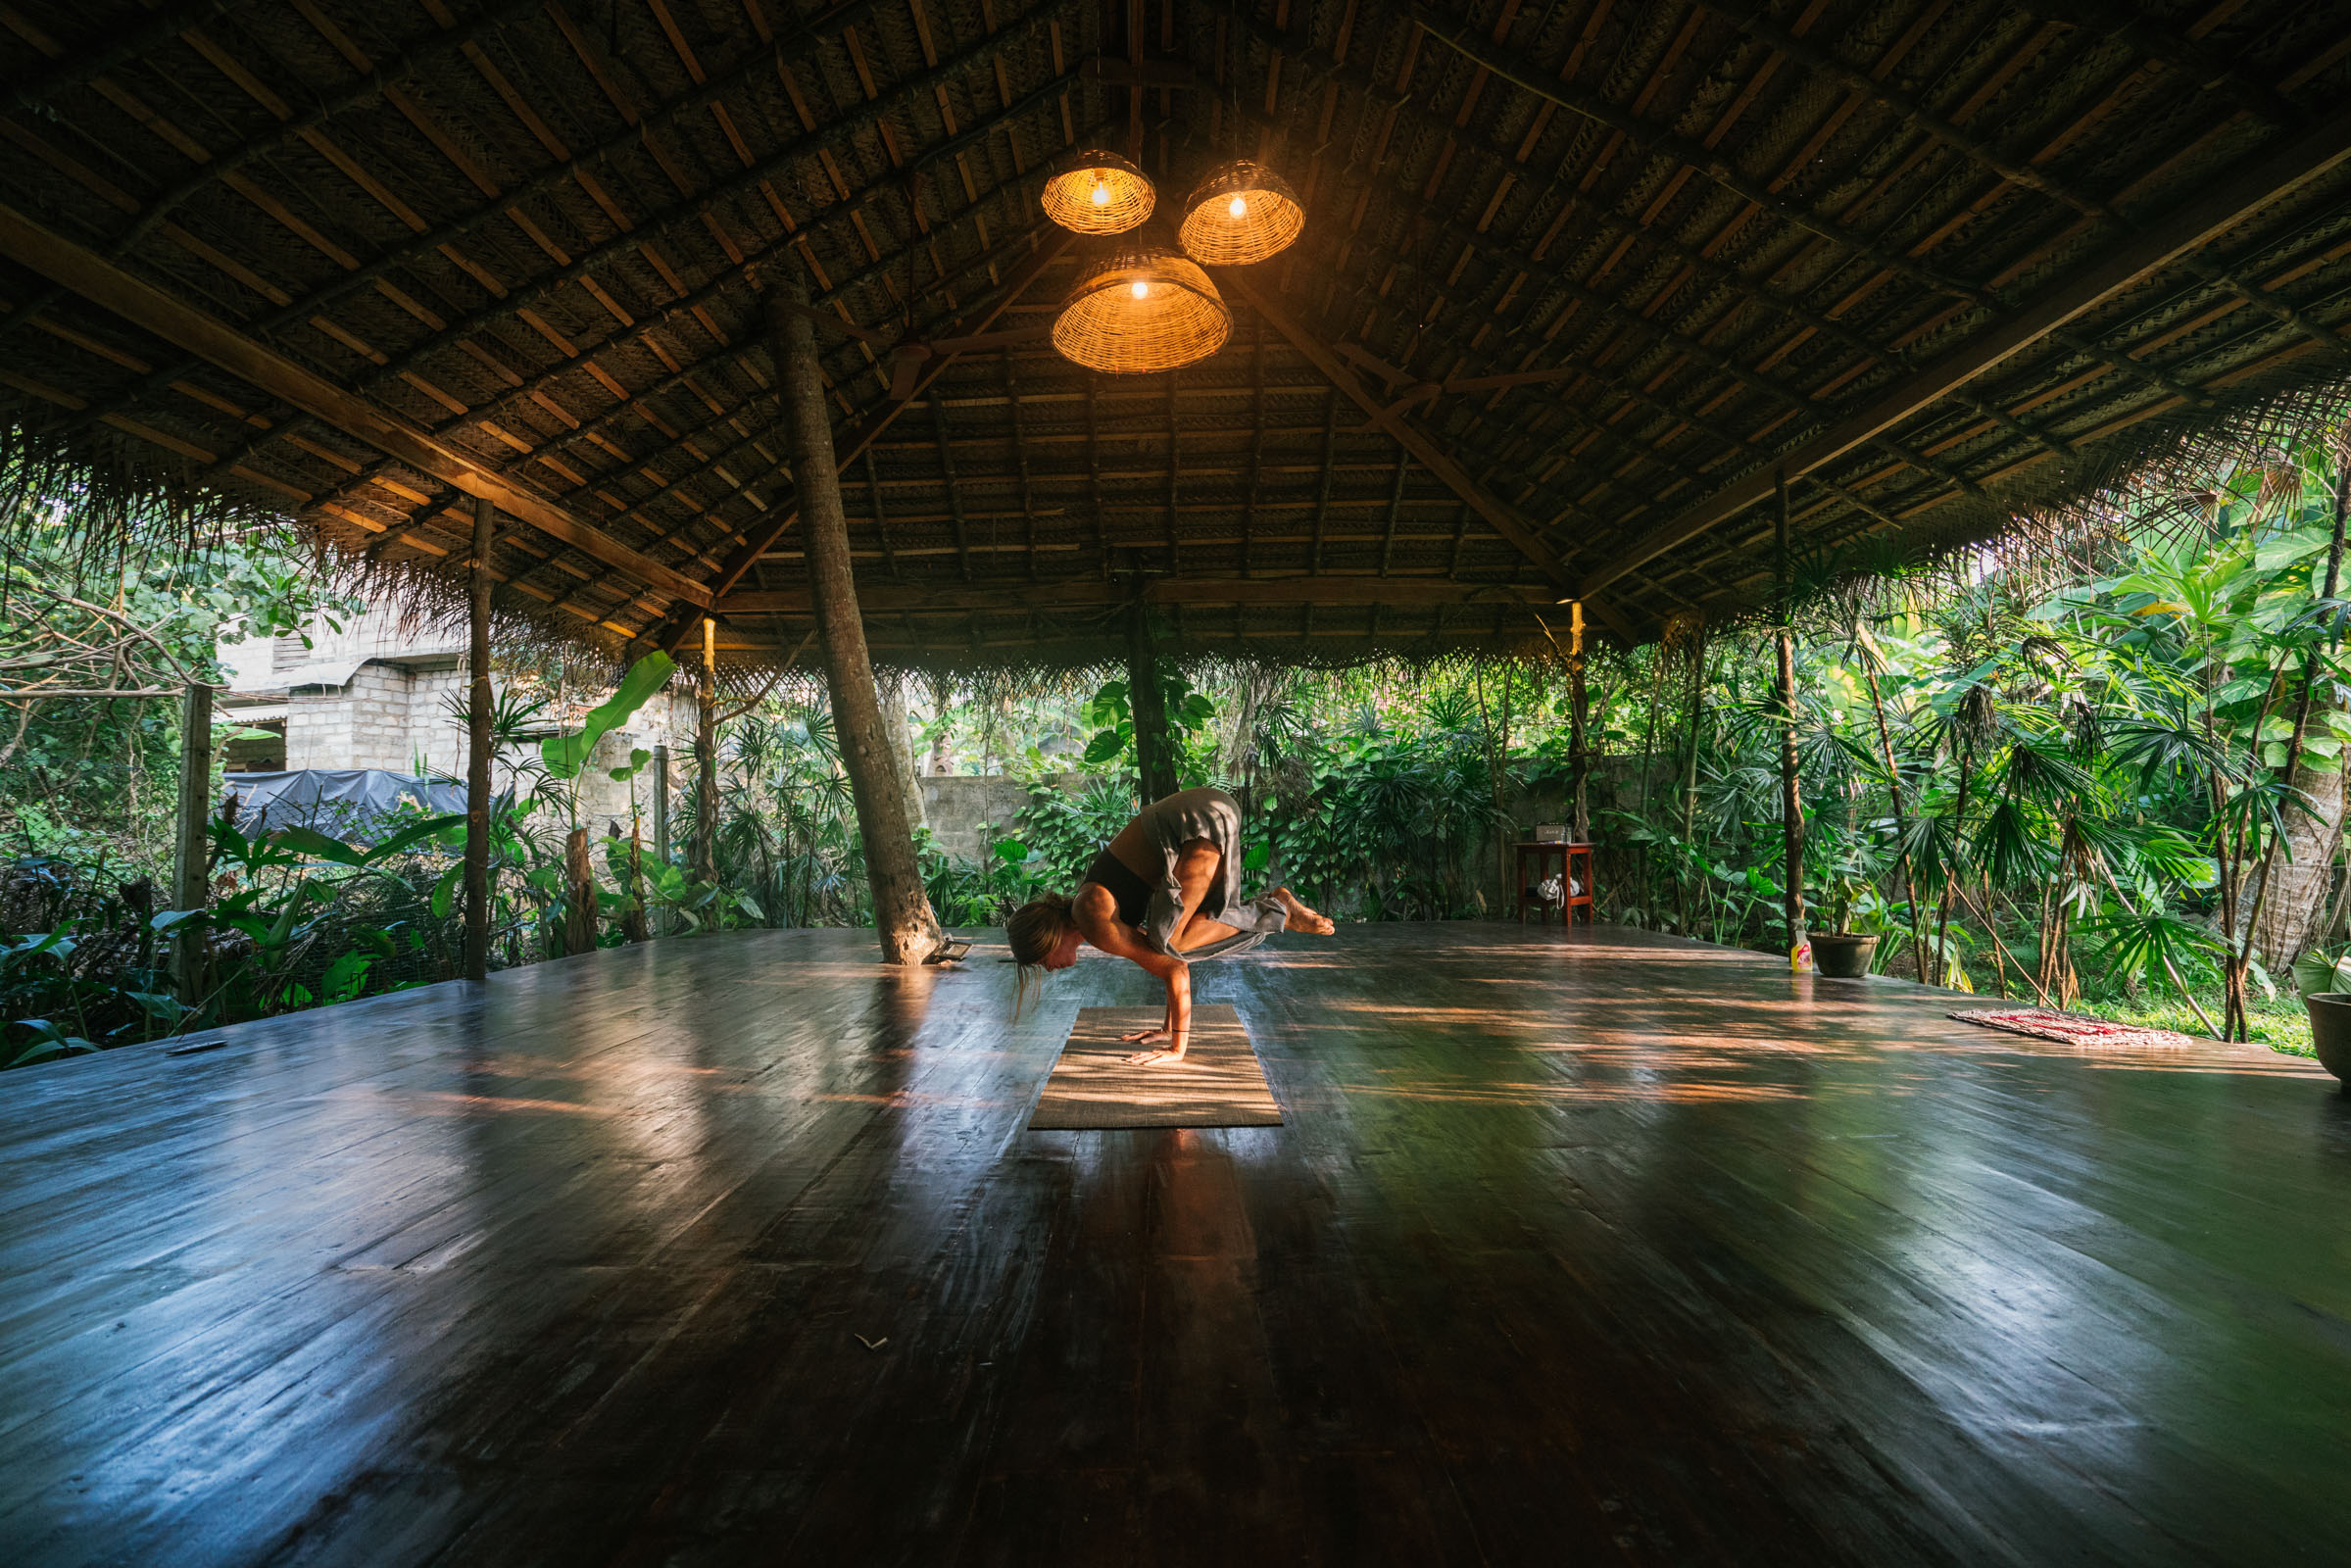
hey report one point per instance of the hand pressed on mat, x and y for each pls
(1174, 1025)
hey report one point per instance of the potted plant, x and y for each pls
(2325, 982)
(1846, 952)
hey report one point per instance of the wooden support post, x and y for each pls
(660, 825)
(579, 895)
(705, 757)
(1154, 751)
(478, 703)
(1690, 772)
(901, 911)
(1579, 754)
(190, 863)
(1792, 809)
(901, 752)
(1689, 768)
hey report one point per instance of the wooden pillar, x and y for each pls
(705, 757)
(579, 894)
(901, 752)
(1579, 752)
(661, 827)
(478, 705)
(190, 848)
(1791, 811)
(901, 911)
(1690, 769)
(1154, 751)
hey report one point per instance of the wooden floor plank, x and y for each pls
(1575, 1245)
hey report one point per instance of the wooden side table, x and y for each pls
(1575, 873)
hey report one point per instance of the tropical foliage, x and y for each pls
(2107, 771)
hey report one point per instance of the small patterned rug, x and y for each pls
(2072, 1029)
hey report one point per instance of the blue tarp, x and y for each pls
(342, 802)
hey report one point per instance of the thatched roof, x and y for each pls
(1935, 258)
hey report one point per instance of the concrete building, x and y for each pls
(384, 691)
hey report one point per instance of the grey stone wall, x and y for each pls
(667, 719)
(394, 715)
(968, 813)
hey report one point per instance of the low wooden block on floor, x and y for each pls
(1218, 1083)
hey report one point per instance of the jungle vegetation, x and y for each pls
(2100, 766)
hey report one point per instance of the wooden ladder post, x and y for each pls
(705, 757)
(478, 706)
(1791, 808)
(1579, 751)
(190, 862)
(661, 827)
(901, 911)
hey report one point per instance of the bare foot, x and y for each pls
(1303, 918)
(1156, 1058)
(1141, 1036)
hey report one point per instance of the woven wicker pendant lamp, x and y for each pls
(1102, 194)
(1142, 311)
(1242, 213)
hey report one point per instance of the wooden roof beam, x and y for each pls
(1696, 348)
(771, 466)
(1599, 216)
(1090, 592)
(1659, 141)
(543, 287)
(707, 367)
(2123, 23)
(1503, 518)
(1914, 111)
(861, 434)
(2221, 203)
(1757, 21)
(191, 331)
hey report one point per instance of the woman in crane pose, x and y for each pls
(1165, 895)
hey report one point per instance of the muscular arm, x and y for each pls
(1096, 916)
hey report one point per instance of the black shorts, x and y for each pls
(1133, 893)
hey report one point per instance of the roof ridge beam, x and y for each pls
(891, 598)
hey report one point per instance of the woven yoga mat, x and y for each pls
(1217, 1084)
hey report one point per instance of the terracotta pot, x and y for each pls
(1842, 954)
(2331, 1030)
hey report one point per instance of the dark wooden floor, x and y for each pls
(1575, 1247)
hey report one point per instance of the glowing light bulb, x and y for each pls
(1238, 207)
(1102, 194)
(1141, 290)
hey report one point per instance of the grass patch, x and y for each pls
(2281, 1024)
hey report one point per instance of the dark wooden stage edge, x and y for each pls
(1578, 1245)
